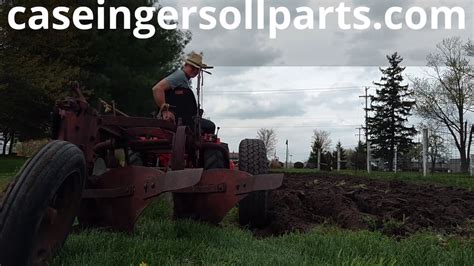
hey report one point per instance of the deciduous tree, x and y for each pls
(269, 138)
(321, 142)
(446, 95)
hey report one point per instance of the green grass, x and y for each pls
(9, 166)
(456, 180)
(158, 240)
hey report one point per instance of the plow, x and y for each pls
(101, 170)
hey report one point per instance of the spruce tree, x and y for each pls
(359, 157)
(391, 108)
(343, 156)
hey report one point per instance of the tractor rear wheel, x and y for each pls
(253, 209)
(39, 207)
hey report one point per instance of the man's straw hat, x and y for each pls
(195, 60)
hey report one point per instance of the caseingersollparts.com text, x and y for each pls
(255, 15)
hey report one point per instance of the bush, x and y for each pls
(30, 147)
(299, 165)
(275, 164)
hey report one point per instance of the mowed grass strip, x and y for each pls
(446, 179)
(158, 240)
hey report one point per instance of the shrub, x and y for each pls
(30, 147)
(299, 165)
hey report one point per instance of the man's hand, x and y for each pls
(168, 116)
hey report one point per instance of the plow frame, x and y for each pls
(171, 156)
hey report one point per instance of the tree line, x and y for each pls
(37, 66)
(442, 99)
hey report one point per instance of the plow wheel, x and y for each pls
(253, 209)
(38, 209)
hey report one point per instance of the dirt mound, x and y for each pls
(392, 207)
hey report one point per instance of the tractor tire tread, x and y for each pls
(28, 195)
(253, 210)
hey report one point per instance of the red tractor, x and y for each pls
(80, 175)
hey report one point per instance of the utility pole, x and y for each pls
(338, 159)
(369, 151)
(319, 159)
(367, 96)
(395, 159)
(359, 135)
(425, 151)
(286, 161)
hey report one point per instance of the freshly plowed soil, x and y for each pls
(392, 207)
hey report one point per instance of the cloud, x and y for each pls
(293, 115)
(257, 106)
(330, 47)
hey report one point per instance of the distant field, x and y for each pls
(158, 240)
(456, 180)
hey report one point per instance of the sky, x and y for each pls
(305, 80)
(294, 101)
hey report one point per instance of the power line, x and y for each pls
(216, 92)
(314, 118)
(289, 126)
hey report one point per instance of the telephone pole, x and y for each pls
(359, 135)
(338, 159)
(367, 97)
(425, 152)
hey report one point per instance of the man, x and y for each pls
(174, 96)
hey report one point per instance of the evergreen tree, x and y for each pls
(327, 161)
(391, 108)
(343, 156)
(321, 142)
(358, 158)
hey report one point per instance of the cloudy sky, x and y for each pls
(304, 80)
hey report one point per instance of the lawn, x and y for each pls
(9, 165)
(158, 240)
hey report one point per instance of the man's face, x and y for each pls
(192, 71)
(195, 71)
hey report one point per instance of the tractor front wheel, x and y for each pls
(253, 209)
(39, 207)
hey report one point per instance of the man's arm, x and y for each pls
(160, 99)
(159, 92)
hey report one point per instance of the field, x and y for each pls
(319, 218)
(393, 207)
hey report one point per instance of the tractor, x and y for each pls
(102, 168)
